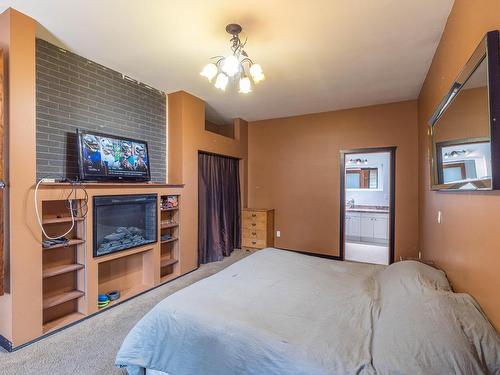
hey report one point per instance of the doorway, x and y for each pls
(219, 207)
(367, 201)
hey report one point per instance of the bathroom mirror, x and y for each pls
(464, 143)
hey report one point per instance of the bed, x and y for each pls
(280, 312)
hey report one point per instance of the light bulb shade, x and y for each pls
(209, 71)
(245, 85)
(257, 73)
(221, 81)
(230, 65)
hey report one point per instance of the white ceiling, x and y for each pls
(318, 55)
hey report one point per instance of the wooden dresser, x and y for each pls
(257, 228)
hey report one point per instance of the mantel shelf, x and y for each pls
(110, 185)
(61, 298)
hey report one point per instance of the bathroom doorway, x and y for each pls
(367, 200)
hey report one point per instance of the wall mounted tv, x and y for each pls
(103, 157)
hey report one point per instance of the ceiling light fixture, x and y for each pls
(456, 154)
(358, 161)
(238, 65)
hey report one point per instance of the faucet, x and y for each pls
(350, 202)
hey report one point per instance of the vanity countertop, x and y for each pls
(369, 209)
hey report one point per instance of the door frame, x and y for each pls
(392, 201)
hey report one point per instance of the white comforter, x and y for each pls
(279, 312)
(274, 312)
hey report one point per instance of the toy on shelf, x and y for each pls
(169, 202)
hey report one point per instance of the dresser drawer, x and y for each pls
(254, 234)
(248, 242)
(254, 225)
(254, 216)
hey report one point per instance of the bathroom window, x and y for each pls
(361, 178)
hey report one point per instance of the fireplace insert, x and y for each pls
(122, 222)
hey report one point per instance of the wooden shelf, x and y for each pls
(57, 220)
(59, 270)
(61, 298)
(171, 225)
(169, 209)
(167, 262)
(110, 184)
(125, 253)
(168, 277)
(61, 322)
(170, 240)
(66, 244)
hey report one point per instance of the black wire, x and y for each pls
(83, 207)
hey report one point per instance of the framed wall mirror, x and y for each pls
(465, 141)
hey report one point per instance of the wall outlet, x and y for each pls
(440, 217)
(278, 233)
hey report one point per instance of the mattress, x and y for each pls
(274, 312)
(280, 312)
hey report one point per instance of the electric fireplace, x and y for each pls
(122, 222)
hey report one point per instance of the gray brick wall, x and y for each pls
(72, 92)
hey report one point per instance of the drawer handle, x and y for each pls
(254, 233)
(254, 215)
(253, 242)
(253, 224)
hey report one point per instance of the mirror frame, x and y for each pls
(487, 49)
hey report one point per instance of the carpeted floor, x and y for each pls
(90, 346)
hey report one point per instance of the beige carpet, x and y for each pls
(90, 346)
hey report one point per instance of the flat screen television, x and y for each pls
(103, 157)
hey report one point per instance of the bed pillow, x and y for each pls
(411, 277)
(422, 327)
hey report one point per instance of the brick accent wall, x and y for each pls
(73, 92)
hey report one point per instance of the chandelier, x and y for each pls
(235, 66)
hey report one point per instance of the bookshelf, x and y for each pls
(169, 236)
(63, 266)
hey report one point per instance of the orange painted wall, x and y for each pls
(294, 167)
(188, 136)
(467, 242)
(18, 41)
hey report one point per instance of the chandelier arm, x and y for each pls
(219, 59)
(247, 59)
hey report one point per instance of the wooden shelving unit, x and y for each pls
(72, 278)
(63, 267)
(169, 248)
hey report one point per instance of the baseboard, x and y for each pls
(6, 344)
(318, 255)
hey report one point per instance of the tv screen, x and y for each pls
(107, 157)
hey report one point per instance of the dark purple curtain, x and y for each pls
(219, 207)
